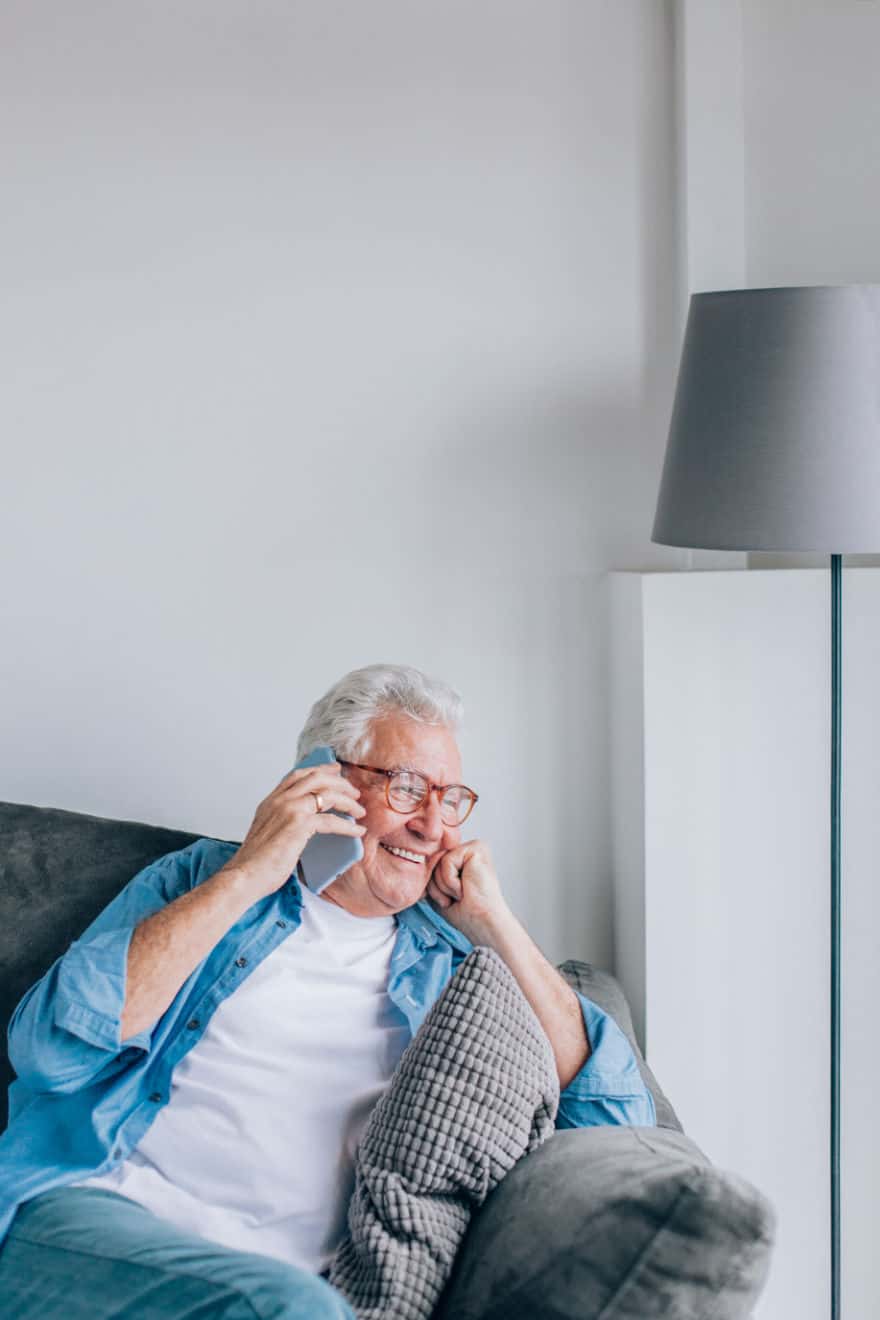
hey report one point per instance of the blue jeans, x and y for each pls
(79, 1252)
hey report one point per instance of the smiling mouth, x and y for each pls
(417, 858)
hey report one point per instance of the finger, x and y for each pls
(313, 797)
(446, 892)
(318, 804)
(320, 779)
(333, 799)
(327, 822)
(437, 896)
(447, 875)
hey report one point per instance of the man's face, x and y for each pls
(384, 882)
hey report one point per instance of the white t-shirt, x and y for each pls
(255, 1147)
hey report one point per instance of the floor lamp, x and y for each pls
(774, 444)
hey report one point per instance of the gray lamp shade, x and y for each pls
(774, 442)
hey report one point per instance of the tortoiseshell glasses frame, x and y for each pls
(402, 786)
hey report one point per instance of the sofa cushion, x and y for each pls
(614, 1222)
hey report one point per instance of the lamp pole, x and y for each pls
(836, 594)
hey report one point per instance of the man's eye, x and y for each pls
(407, 791)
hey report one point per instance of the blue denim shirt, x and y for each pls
(82, 1099)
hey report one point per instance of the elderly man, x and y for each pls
(195, 1072)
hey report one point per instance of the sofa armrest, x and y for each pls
(619, 1222)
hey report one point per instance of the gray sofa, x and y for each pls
(608, 1223)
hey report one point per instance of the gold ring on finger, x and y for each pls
(319, 805)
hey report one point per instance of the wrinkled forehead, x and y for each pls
(399, 742)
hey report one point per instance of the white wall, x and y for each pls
(709, 176)
(812, 123)
(722, 775)
(812, 169)
(331, 333)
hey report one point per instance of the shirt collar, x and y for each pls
(428, 927)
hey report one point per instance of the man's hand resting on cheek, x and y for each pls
(464, 887)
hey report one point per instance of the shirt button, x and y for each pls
(156, 1097)
(280, 923)
(241, 962)
(192, 1024)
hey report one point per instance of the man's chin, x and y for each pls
(396, 893)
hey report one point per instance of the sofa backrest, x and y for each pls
(59, 869)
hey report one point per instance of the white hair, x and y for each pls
(343, 717)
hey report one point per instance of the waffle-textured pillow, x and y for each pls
(476, 1090)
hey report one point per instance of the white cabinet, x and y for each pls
(720, 742)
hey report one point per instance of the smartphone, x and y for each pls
(326, 856)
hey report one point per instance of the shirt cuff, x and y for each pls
(609, 1087)
(91, 989)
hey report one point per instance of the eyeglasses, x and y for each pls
(406, 790)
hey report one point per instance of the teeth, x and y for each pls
(401, 852)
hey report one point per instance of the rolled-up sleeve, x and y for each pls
(67, 1028)
(609, 1088)
(90, 991)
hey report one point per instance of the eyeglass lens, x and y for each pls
(407, 792)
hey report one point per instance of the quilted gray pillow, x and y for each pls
(476, 1089)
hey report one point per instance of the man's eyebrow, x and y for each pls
(414, 769)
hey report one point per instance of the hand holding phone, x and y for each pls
(288, 822)
(327, 856)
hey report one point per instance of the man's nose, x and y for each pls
(427, 821)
